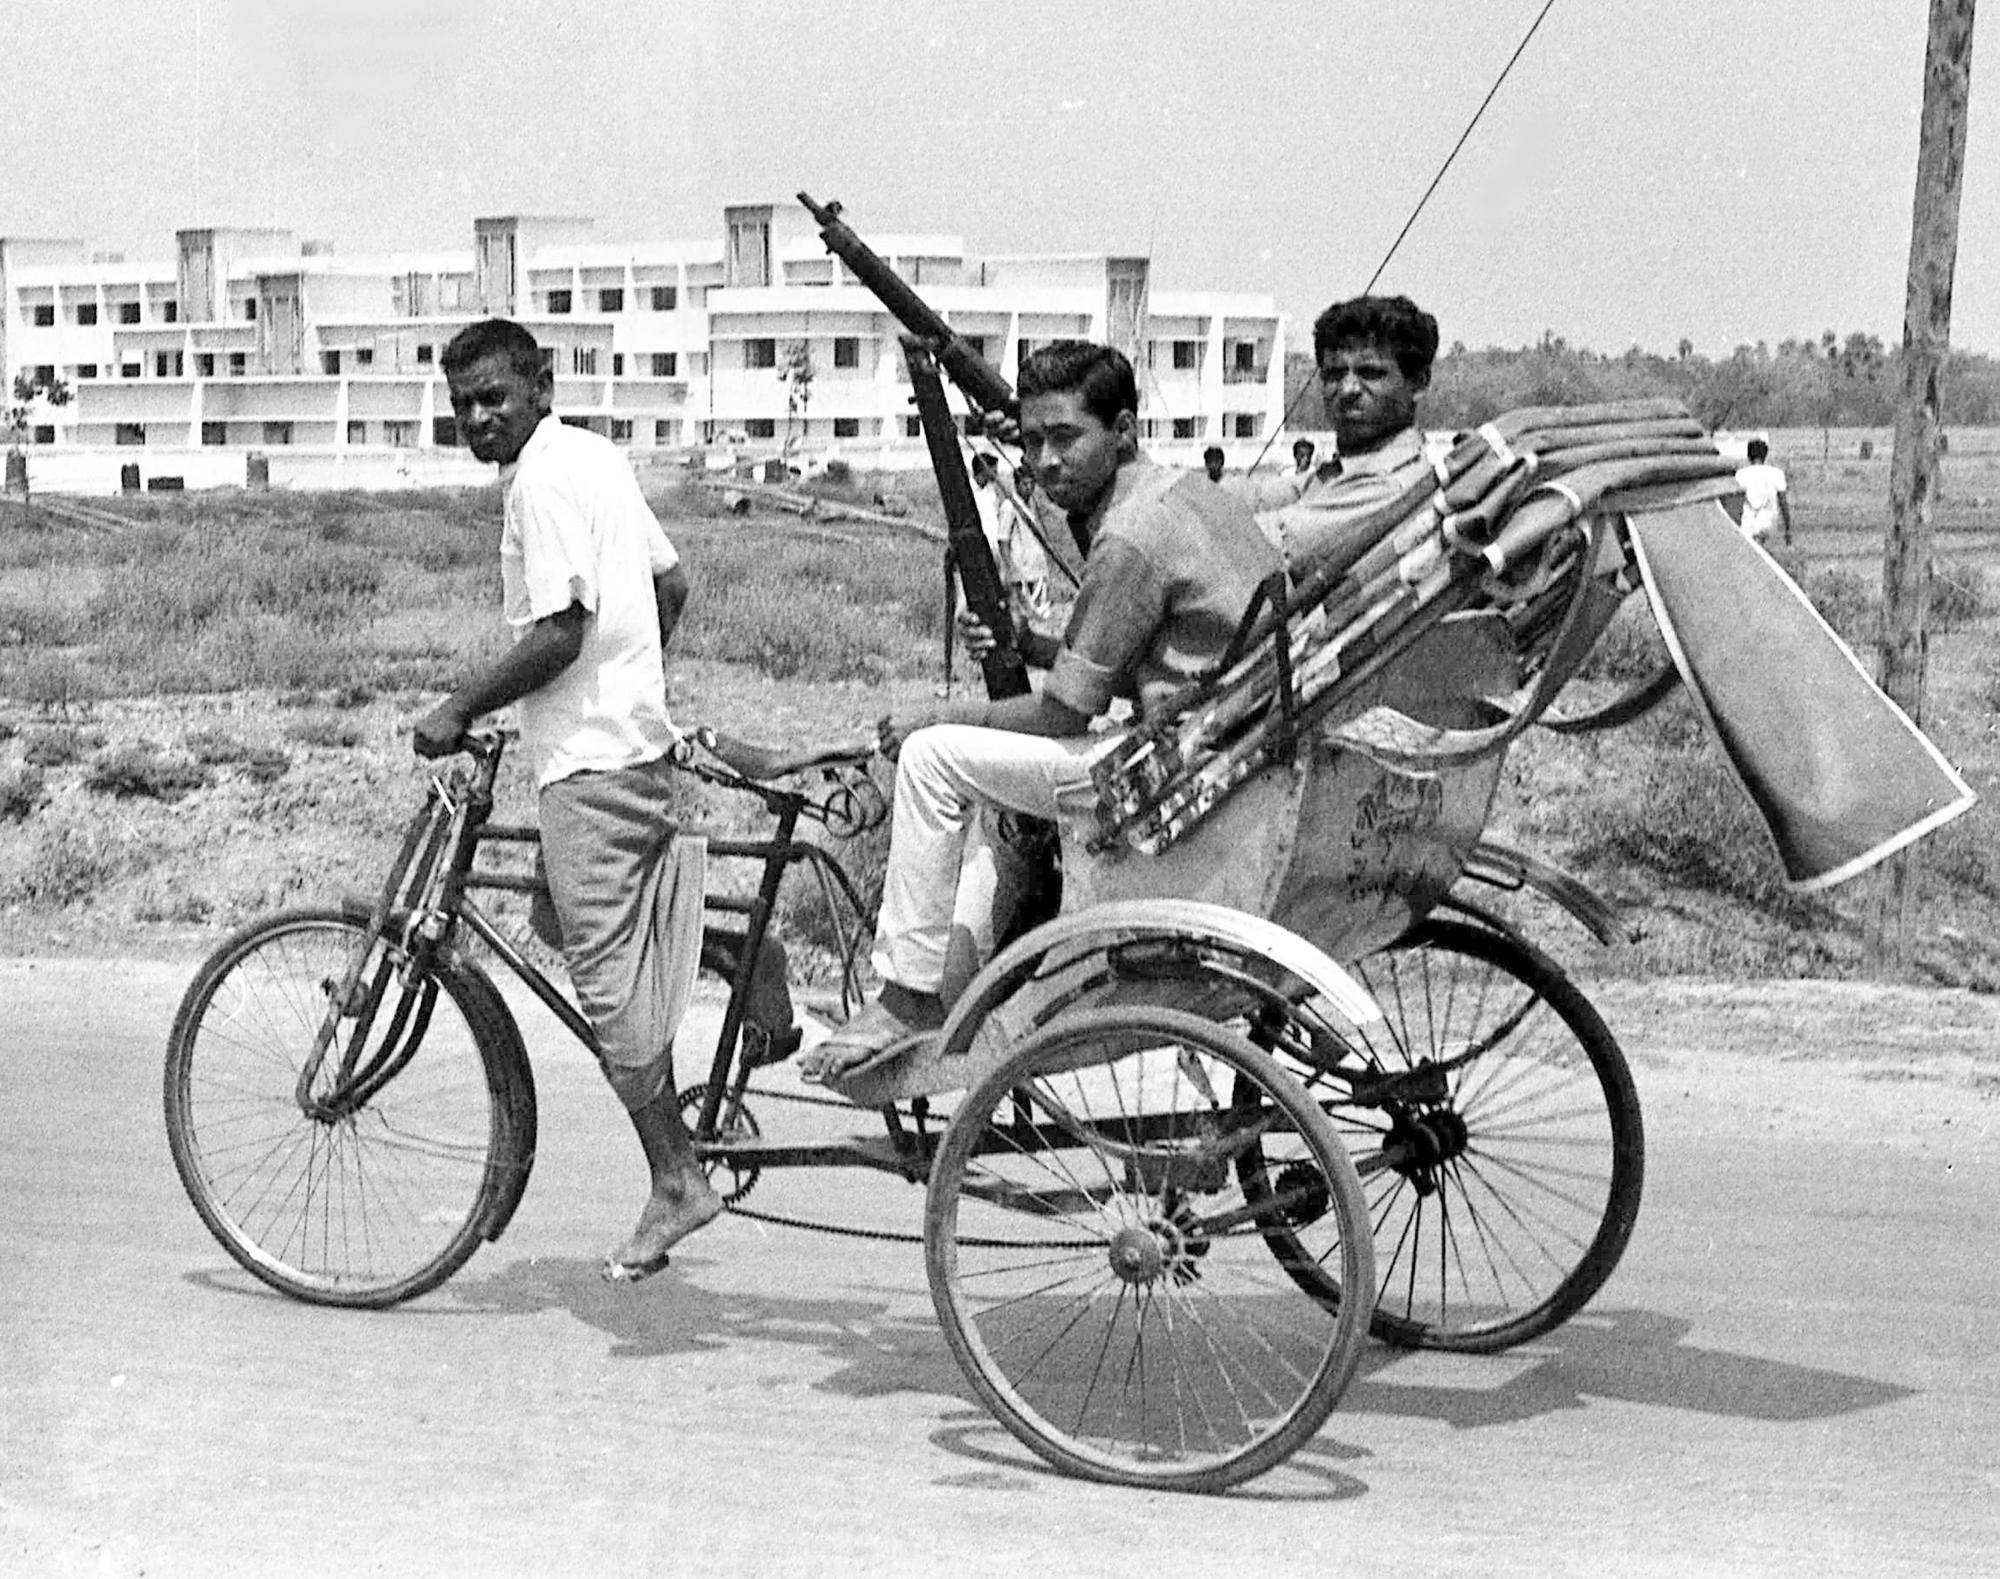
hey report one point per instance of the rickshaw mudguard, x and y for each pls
(1037, 976)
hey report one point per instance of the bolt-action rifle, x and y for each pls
(930, 344)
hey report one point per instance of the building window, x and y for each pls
(913, 427)
(357, 433)
(45, 373)
(238, 361)
(86, 370)
(1184, 428)
(846, 351)
(617, 364)
(1246, 356)
(130, 433)
(329, 361)
(847, 427)
(170, 312)
(204, 364)
(558, 301)
(1023, 349)
(1246, 424)
(45, 315)
(760, 353)
(215, 433)
(611, 301)
(45, 433)
(583, 360)
(86, 313)
(400, 435)
(621, 430)
(663, 364)
(364, 356)
(1187, 355)
(166, 364)
(128, 312)
(663, 298)
(129, 369)
(663, 431)
(977, 342)
(277, 433)
(250, 309)
(760, 427)
(426, 354)
(444, 433)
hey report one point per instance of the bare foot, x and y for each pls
(675, 1209)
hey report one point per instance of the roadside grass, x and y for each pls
(277, 646)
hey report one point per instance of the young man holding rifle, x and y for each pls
(1171, 565)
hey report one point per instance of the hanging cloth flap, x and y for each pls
(1840, 775)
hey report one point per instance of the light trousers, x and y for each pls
(945, 872)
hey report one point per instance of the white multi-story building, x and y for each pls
(250, 339)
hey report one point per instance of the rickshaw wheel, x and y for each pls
(1104, 1279)
(1498, 1132)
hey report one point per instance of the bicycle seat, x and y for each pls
(763, 763)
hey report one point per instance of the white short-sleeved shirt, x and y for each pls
(1761, 483)
(576, 529)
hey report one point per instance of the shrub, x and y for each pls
(333, 733)
(142, 769)
(1958, 596)
(20, 793)
(55, 680)
(66, 863)
(217, 748)
(59, 745)
(1847, 603)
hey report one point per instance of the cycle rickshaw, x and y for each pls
(1276, 1077)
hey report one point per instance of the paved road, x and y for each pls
(1795, 1371)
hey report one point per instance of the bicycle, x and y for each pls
(1129, 1215)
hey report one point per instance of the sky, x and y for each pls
(1724, 171)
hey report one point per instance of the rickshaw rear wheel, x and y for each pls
(1102, 1276)
(1497, 1129)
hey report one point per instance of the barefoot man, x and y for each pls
(593, 590)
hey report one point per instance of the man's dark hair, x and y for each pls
(1099, 374)
(1758, 449)
(493, 337)
(1410, 333)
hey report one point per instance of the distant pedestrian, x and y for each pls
(1764, 501)
(1213, 460)
(1017, 551)
(1303, 452)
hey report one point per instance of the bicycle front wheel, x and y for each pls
(1103, 1277)
(373, 1182)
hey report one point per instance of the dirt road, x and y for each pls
(1796, 1370)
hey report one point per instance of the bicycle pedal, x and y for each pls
(761, 1047)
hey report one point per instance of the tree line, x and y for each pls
(1831, 382)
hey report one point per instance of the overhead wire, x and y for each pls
(1408, 224)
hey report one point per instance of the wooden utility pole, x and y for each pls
(1906, 558)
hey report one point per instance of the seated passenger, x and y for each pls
(1374, 355)
(1171, 563)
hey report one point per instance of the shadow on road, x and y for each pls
(879, 1352)
(1623, 1356)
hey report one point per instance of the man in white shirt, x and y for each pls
(1764, 501)
(593, 590)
